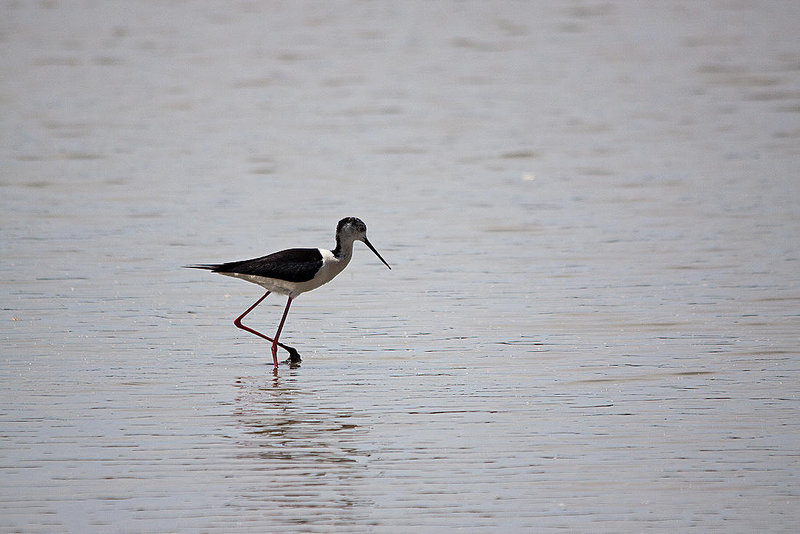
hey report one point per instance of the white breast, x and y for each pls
(331, 266)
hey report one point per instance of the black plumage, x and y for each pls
(292, 265)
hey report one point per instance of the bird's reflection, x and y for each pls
(278, 420)
(301, 448)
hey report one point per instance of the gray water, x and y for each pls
(592, 214)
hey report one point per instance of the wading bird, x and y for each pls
(294, 271)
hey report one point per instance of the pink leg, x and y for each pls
(275, 344)
(278, 333)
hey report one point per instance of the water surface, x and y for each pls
(591, 211)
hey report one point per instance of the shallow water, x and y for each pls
(591, 211)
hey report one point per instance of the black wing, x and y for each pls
(292, 265)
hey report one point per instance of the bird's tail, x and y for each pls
(206, 266)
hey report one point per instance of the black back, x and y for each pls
(292, 265)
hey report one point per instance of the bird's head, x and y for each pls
(354, 229)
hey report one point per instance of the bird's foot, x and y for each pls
(294, 358)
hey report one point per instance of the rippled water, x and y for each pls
(591, 211)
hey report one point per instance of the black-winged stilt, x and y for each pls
(294, 271)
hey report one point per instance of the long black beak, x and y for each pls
(366, 242)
